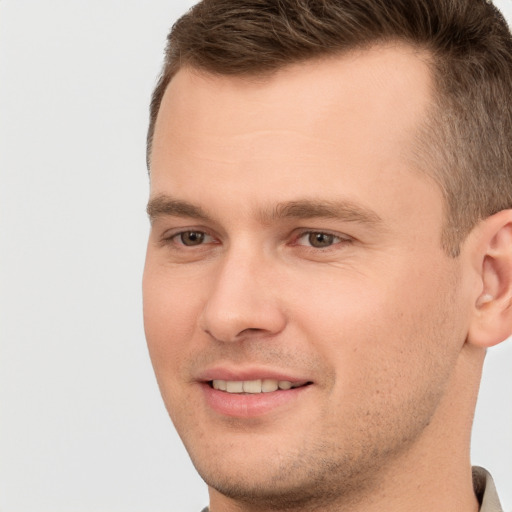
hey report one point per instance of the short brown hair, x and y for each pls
(466, 142)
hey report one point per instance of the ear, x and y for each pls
(491, 321)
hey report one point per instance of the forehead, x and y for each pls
(348, 119)
(369, 83)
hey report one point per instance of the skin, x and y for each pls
(379, 320)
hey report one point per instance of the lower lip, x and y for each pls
(249, 405)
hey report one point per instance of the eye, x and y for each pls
(319, 239)
(191, 238)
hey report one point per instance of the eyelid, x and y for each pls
(172, 235)
(343, 238)
(204, 241)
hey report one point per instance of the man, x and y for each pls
(331, 247)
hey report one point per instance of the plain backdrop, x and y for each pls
(82, 426)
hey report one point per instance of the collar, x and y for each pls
(485, 491)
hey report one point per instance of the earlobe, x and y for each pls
(484, 299)
(491, 321)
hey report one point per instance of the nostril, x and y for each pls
(251, 330)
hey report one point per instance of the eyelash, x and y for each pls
(335, 239)
(175, 237)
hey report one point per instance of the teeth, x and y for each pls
(219, 384)
(254, 386)
(269, 385)
(234, 386)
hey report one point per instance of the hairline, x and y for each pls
(268, 72)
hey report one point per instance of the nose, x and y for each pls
(244, 301)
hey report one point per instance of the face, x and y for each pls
(301, 316)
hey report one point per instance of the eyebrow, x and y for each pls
(164, 205)
(309, 209)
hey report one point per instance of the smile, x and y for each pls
(254, 386)
(253, 397)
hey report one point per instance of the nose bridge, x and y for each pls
(241, 302)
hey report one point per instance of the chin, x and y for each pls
(266, 479)
(268, 492)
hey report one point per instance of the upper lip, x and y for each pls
(244, 374)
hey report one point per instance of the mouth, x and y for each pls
(254, 387)
(246, 392)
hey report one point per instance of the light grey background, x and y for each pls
(82, 427)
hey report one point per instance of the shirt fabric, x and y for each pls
(484, 489)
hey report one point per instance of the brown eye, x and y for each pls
(191, 238)
(321, 240)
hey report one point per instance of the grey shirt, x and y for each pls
(484, 489)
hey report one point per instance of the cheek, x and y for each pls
(170, 316)
(171, 307)
(382, 331)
